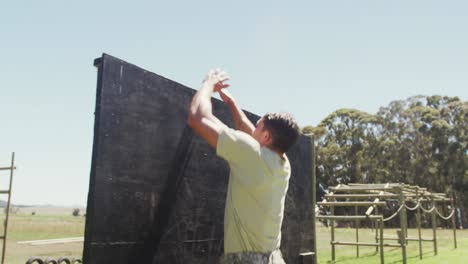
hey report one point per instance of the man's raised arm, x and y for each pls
(241, 122)
(201, 118)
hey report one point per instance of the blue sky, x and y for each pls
(305, 57)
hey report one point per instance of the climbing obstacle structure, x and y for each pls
(376, 197)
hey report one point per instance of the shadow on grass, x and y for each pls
(361, 257)
(425, 255)
(392, 251)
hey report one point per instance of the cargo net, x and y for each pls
(383, 203)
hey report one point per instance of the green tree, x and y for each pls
(341, 148)
(421, 140)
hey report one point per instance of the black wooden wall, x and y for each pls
(157, 191)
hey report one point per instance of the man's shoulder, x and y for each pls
(239, 136)
(236, 146)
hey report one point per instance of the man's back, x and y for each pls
(260, 172)
(257, 188)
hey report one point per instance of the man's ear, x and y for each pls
(268, 138)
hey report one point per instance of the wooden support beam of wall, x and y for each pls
(357, 196)
(349, 217)
(358, 203)
(339, 243)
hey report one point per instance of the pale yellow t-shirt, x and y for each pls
(257, 188)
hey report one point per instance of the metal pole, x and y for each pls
(8, 208)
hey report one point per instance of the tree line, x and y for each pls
(419, 141)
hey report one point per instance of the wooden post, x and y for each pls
(7, 213)
(376, 224)
(314, 191)
(418, 219)
(332, 227)
(401, 238)
(369, 212)
(380, 221)
(356, 225)
(403, 225)
(454, 222)
(434, 226)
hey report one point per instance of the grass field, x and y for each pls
(23, 227)
(27, 227)
(347, 254)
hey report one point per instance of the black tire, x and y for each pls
(50, 261)
(64, 260)
(35, 260)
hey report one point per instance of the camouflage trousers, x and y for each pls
(274, 257)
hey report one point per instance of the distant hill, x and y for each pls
(43, 209)
(3, 204)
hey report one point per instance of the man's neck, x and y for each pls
(280, 154)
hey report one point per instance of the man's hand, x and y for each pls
(216, 78)
(241, 122)
(200, 116)
(226, 96)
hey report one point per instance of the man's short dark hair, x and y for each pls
(283, 129)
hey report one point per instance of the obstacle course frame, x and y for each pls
(378, 195)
